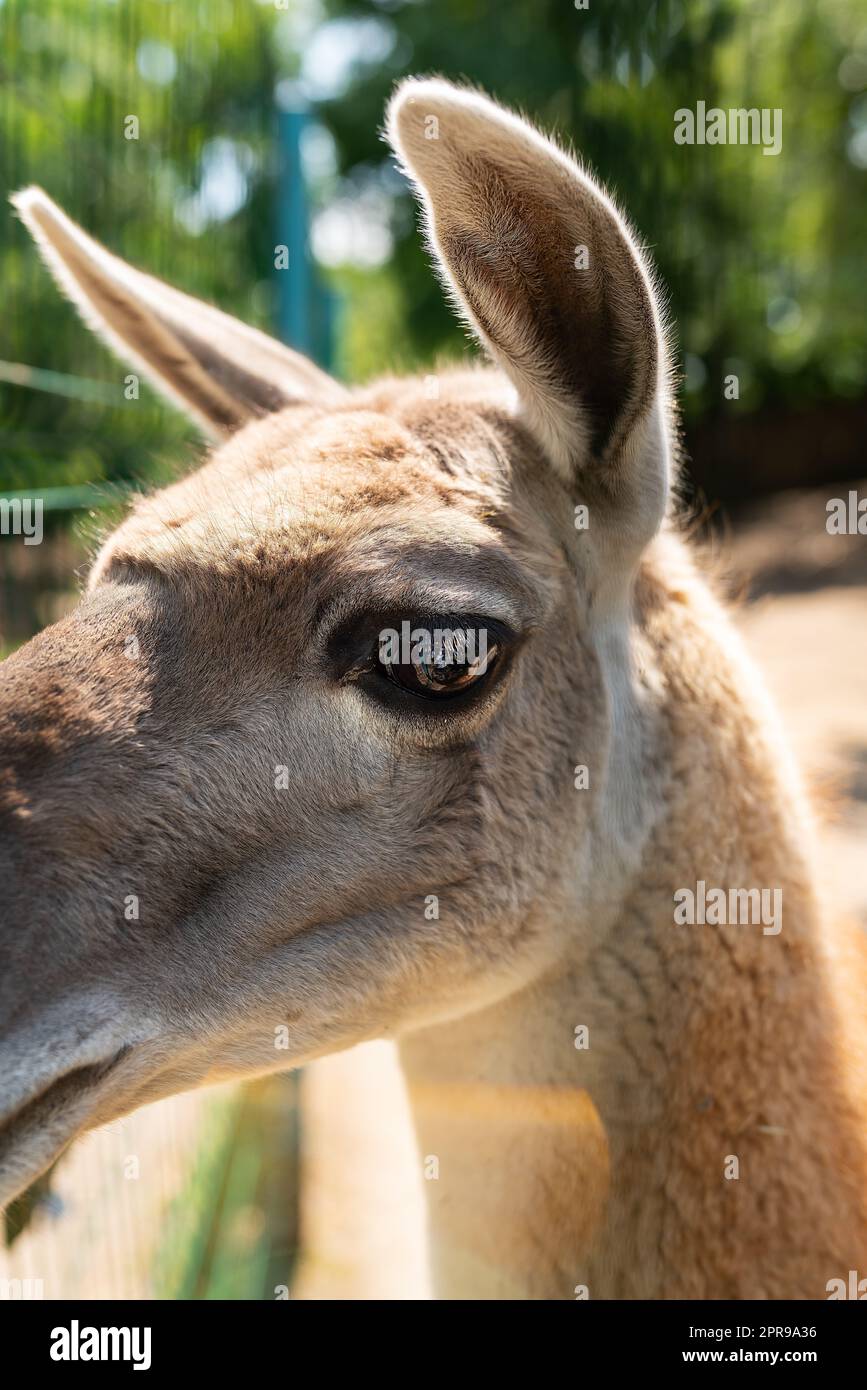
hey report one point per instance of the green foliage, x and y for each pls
(199, 79)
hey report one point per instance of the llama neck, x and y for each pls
(683, 1153)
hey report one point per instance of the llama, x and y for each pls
(480, 862)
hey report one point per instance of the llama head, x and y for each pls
(253, 808)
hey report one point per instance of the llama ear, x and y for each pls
(220, 371)
(541, 265)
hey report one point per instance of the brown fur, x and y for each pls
(152, 773)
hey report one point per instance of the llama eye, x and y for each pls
(436, 663)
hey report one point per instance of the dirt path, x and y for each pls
(807, 631)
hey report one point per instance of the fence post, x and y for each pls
(304, 305)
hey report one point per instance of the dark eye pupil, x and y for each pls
(443, 669)
(443, 673)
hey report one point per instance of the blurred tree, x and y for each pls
(152, 124)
